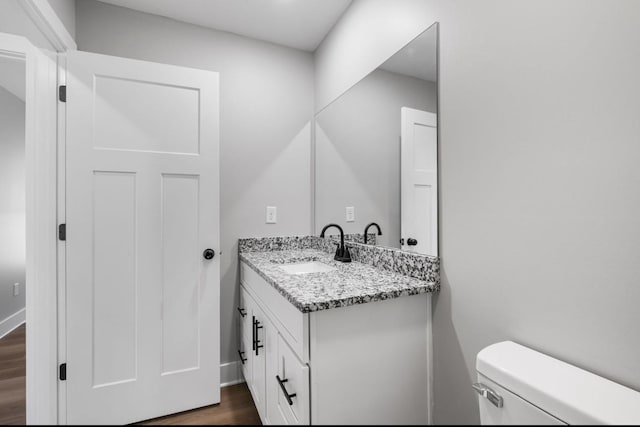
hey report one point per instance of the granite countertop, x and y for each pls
(351, 283)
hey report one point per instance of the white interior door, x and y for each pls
(142, 201)
(419, 181)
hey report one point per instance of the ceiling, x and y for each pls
(12, 76)
(418, 58)
(301, 24)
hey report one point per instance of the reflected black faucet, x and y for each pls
(342, 253)
(366, 230)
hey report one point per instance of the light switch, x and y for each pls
(272, 212)
(351, 214)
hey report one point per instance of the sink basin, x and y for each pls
(306, 267)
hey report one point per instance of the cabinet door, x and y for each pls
(293, 383)
(275, 416)
(245, 328)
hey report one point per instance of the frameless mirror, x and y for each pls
(377, 148)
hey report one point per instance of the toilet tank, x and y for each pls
(518, 385)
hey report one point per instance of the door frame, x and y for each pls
(45, 168)
(41, 242)
(49, 24)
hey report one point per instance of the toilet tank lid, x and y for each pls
(567, 392)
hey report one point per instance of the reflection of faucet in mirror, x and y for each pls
(366, 231)
(342, 253)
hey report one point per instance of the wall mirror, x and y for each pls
(377, 150)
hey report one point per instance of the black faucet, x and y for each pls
(366, 230)
(342, 253)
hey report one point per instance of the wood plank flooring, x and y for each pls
(12, 377)
(236, 407)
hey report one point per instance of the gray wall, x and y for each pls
(540, 238)
(358, 152)
(265, 106)
(66, 11)
(14, 20)
(12, 203)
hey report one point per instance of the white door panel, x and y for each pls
(142, 205)
(419, 181)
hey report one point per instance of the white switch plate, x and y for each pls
(272, 215)
(351, 214)
(16, 289)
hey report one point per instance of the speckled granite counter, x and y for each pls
(351, 283)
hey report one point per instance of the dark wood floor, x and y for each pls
(236, 407)
(12, 377)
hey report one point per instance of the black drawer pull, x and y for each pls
(242, 359)
(284, 389)
(242, 312)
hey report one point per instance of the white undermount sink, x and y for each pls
(307, 267)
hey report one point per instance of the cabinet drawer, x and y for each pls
(292, 324)
(293, 381)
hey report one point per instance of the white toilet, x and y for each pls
(518, 385)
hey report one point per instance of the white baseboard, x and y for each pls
(231, 374)
(12, 322)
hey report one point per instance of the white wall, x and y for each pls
(14, 20)
(540, 200)
(66, 11)
(358, 152)
(266, 103)
(12, 203)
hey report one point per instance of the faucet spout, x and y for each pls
(366, 231)
(342, 253)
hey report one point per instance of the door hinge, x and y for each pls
(62, 232)
(62, 93)
(63, 372)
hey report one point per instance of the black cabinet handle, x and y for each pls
(253, 333)
(242, 359)
(208, 253)
(411, 241)
(284, 390)
(256, 343)
(242, 312)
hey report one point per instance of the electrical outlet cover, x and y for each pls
(272, 213)
(351, 214)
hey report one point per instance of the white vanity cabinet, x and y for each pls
(361, 364)
(268, 362)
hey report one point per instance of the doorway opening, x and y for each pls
(13, 237)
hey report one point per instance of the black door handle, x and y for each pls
(208, 253)
(242, 358)
(411, 241)
(242, 312)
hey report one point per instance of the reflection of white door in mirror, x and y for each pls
(419, 181)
